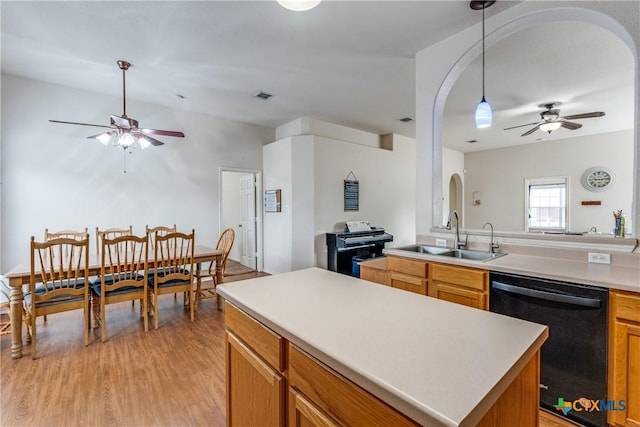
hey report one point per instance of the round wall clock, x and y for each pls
(598, 179)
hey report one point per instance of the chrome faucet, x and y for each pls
(492, 245)
(457, 244)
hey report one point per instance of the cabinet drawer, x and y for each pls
(626, 305)
(467, 277)
(459, 295)
(266, 343)
(338, 397)
(374, 275)
(408, 283)
(413, 267)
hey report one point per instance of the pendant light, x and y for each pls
(483, 116)
(299, 5)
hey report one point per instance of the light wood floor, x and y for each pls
(169, 377)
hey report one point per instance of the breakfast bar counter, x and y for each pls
(435, 362)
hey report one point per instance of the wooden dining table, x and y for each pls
(20, 275)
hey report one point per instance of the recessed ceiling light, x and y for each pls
(263, 95)
(406, 119)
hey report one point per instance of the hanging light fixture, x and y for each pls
(550, 126)
(483, 116)
(299, 5)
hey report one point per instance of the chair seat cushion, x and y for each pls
(42, 288)
(173, 282)
(109, 279)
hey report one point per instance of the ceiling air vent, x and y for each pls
(406, 119)
(263, 95)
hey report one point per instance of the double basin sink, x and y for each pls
(452, 253)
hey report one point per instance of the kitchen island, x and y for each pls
(428, 361)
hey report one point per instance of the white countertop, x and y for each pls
(626, 278)
(437, 362)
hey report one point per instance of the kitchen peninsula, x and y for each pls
(321, 346)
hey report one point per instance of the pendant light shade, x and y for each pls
(299, 5)
(484, 115)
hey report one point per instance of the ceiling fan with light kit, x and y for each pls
(124, 131)
(551, 119)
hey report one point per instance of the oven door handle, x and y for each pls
(548, 296)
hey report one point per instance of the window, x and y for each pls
(546, 204)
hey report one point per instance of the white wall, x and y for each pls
(387, 189)
(53, 176)
(310, 170)
(278, 226)
(438, 66)
(503, 199)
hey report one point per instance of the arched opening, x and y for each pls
(456, 193)
(504, 31)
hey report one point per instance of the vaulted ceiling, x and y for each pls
(347, 62)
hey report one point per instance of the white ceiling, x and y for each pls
(347, 62)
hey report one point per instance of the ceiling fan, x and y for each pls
(551, 120)
(124, 131)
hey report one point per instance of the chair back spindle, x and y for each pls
(110, 233)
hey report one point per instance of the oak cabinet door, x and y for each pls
(255, 391)
(408, 283)
(624, 359)
(458, 295)
(303, 413)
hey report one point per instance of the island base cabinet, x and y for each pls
(624, 358)
(333, 399)
(255, 391)
(519, 403)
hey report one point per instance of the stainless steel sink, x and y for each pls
(473, 255)
(469, 254)
(423, 249)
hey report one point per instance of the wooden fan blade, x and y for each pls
(571, 125)
(162, 132)
(584, 115)
(99, 134)
(153, 141)
(532, 130)
(124, 122)
(519, 126)
(81, 124)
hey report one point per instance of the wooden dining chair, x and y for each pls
(5, 306)
(58, 282)
(123, 276)
(110, 233)
(69, 234)
(173, 272)
(205, 290)
(161, 230)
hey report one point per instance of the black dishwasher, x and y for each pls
(573, 360)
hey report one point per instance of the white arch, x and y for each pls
(525, 21)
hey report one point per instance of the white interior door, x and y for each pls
(248, 220)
